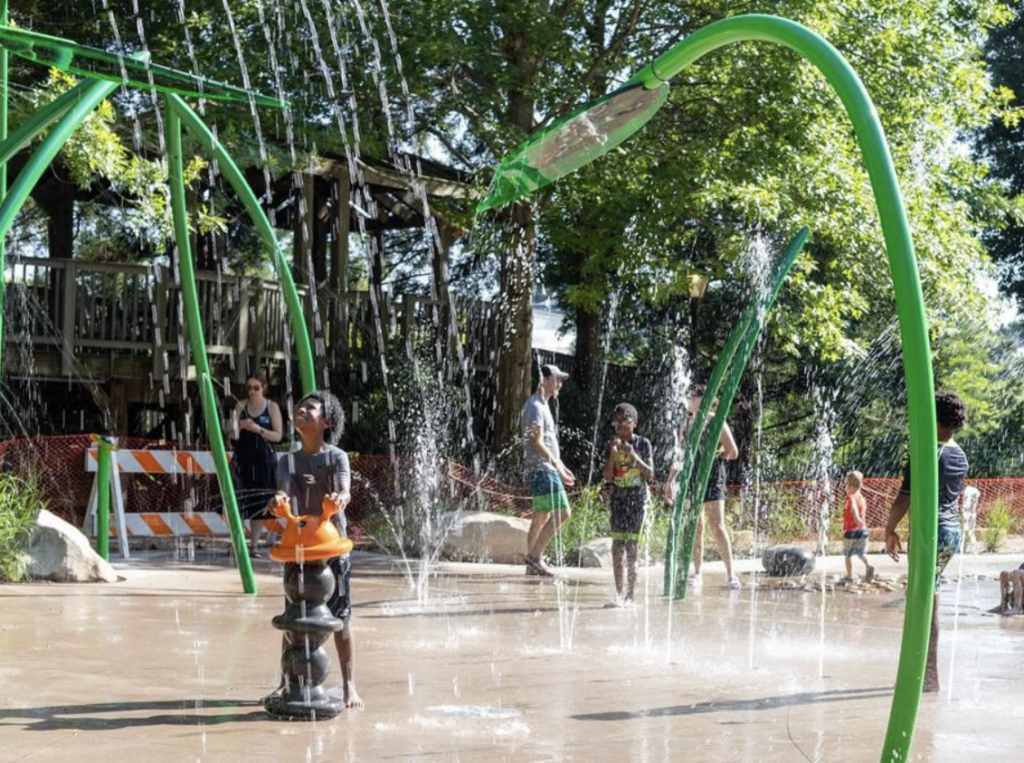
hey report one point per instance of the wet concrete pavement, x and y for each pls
(169, 665)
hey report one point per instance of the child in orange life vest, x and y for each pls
(855, 526)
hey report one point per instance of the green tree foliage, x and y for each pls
(751, 145)
(1002, 144)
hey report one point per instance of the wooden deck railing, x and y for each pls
(81, 307)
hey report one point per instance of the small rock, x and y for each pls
(787, 561)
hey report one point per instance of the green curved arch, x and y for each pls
(726, 375)
(69, 111)
(910, 310)
(79, 103)
(264, 229)
(909, 307)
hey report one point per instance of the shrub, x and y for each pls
(20, 502)
(999, 520)
(785, 522)
(590, 520)
(402, 530)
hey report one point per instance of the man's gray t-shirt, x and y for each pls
(537, 413)
(308, 478)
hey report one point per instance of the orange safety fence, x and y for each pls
(58, 464)
(807, 498)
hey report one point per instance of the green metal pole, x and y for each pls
(3, 162)
(104, 464)
(229, 169)
(194, 322)
(910, 311)
(732, 361)
(89, 97)
(692, 447)
(24, 133)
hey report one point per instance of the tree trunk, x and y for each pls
(586, 364)
(515, 378)
(444, 315)
(322, 223)
(56, 197)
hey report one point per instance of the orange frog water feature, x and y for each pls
(308, 538)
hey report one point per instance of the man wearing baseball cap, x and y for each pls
(544, 472)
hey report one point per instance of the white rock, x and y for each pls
(596, 553)
(60, 552)
(482, 536)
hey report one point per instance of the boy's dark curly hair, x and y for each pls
(626, 410)
(950, 409)
(334, 414)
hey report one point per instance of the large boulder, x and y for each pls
(596, 553)
(481, 536)
(61, 553)
(787, 561)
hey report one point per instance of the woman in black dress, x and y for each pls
(256, 425)
(714, 496)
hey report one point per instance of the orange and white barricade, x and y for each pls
(153, 524)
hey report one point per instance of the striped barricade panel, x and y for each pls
(158, 461)
(205, 524)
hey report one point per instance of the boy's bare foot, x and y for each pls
(613, 604)
(352, 699)
(628, 602)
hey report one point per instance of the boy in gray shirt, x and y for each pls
(320, 471)
(951, 416)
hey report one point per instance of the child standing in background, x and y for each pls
(855, 527)
(628, 466)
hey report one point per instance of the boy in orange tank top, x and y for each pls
(855, 527)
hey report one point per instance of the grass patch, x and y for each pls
(20, 502)
(999, 520)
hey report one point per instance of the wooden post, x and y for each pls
(377, 287)
(339, 334)
(303, 226)
(408, 322)
(260, 347)
(68, 318)
(242, 340)
(160, 331)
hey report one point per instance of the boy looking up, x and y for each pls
(320, 470)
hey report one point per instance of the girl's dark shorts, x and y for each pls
(628, 505)
(716, 483)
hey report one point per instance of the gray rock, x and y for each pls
(482, 536)
(60, 552)
(787, 561)
(597, 553)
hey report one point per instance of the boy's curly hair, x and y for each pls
(334, 414)
(627, 410)
(950, 409)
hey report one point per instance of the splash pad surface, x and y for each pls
(169, 664)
